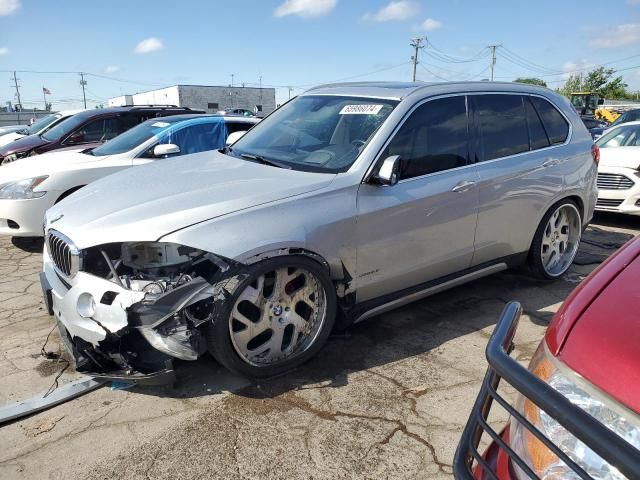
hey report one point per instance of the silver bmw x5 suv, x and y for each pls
(349, 200)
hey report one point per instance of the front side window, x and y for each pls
(555, 124)
(315, 133)
(434, 138)
(64, 127)
(502, 125)
(99, 130)
(623, 136)
(196, 138)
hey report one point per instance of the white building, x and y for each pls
(204, 97)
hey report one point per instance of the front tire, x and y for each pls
(556, 241)
(278, 316)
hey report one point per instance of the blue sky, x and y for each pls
(143, 44)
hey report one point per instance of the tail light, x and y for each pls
(595, 153)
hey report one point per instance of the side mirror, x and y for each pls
(75, 138)
(388, 173)
(165, 149)
(234, 137)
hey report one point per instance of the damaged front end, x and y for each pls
(126, 310)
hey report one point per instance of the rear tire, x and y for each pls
(556, 241)
(279, 315)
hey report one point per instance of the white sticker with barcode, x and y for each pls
(361, 109)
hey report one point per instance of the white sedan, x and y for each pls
(618, 171)
(39, 127)
(30, 186)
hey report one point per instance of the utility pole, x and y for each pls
(232, 79)
(289, 88)
(83, 83)
(493, 58)
(417, 44)
(15, 82)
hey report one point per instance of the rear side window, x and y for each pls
(554, 123)
(537, 134)
(434, 138)
(501, 124)
(238, 127)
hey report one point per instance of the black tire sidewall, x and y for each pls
(218, 334)
(535, 254)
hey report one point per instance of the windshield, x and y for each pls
(64, 127)
(315, 133)
(42, 123)
(131, 138)
(624, 136)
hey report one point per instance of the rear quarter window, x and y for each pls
(556, 126)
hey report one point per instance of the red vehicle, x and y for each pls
(578, 410)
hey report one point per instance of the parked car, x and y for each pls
(619, 169)
(626, 117)
(347, 201)
(86, 129)
(32, 185)
(237, 111)
(596, 127)
(577, 413)
(38, 127)
(7, 129)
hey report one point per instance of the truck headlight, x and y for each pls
(544, 462)
(22, 189)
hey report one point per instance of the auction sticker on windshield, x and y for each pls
(360, 109)
(160, 124)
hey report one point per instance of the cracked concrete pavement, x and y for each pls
(387, 399)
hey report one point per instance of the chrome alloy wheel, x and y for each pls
(560, 240)
(277, 316)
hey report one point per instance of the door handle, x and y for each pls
(463, 186)
(550, 162)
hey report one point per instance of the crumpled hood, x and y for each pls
(625, 157)
(44, 164)
(147, 202)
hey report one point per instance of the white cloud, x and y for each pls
(7, 7)
(149, 45)
(112, 68)
(575, 68)
(305, 8)
(4, 50)
(397, 10)
(431, 24)
(617, 36)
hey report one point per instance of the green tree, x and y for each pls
(532, 81)
(600, 81)
(572, 84)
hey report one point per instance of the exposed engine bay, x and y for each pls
(180, 286)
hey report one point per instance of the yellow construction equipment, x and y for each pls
(589, 104)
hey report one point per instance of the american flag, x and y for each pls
(46, 91)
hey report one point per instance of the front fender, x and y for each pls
(320, 226)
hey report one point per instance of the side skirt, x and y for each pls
(394, 300)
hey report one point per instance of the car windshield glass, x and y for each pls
(64, 127)
(42, 123)
(624, 136)
(131, 138)
(315, 133)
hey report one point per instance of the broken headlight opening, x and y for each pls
(178, 284)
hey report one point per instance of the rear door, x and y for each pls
(519, 160)
(423, 227)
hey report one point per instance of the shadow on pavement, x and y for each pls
(28, 244)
